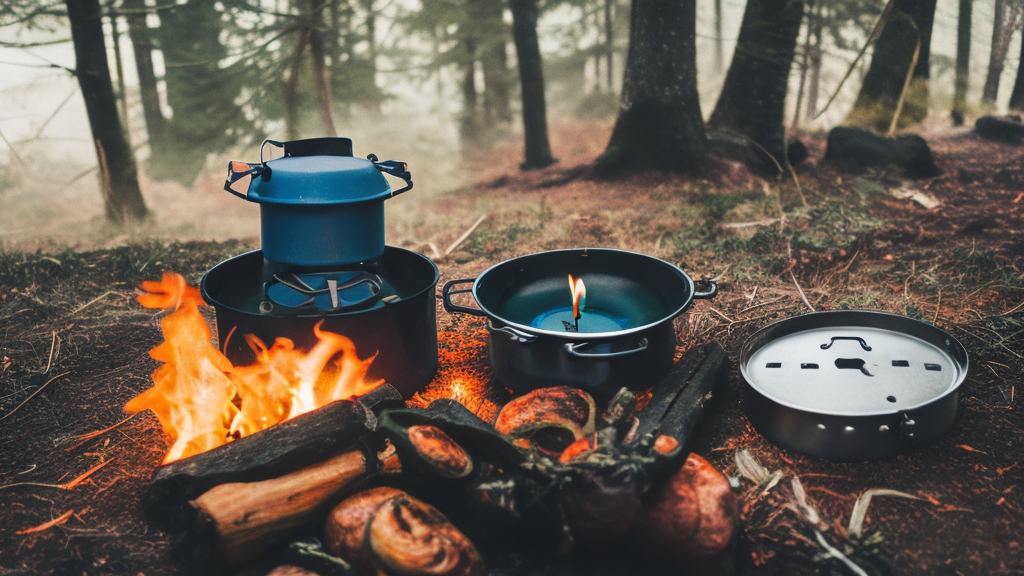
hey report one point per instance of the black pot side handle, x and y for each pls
(705, 288)
(449, 290)
(237, 170)
(396, 168)
(574, 349)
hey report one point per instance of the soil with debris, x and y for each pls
(946, 250)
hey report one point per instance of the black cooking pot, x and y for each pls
(625, 335)
(399, 325)
(319, 205)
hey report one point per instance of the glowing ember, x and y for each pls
(579, 296)
(203, 401)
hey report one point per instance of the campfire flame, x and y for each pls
(203, 401)
(579, 296)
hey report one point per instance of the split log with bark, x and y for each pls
(271, 453)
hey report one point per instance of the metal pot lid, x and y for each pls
(320, 180)
(853, 363)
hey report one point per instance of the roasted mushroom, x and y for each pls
(407, 536)
(440, 451)
(550, 419)
(345, 530)
(693, 515)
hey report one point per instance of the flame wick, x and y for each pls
(578, 290)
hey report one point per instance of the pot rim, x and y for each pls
(745, 354)
(217, 304)
(586, 336)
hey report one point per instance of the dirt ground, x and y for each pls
(74, 349)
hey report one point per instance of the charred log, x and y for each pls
(1003, 129)
(278, 450)
(854, 148)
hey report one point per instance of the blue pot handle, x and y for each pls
(396, 168)
(238, 170)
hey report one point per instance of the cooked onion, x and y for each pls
(410, 537)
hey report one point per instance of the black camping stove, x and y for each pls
(386, 306)
(300, 290)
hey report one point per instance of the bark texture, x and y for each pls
(909, 23)
(753, 99)
(659, 123)
(963, 61)
(493, 59)
(149, 94)
(1017, 96)
(996, 53)
(119, 180)
(531, 79)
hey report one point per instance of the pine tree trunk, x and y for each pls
(805, 65)
(719, 38)
(203, 97)
(609, 47)
(469, 123)
(997, 55)
(291, 87)
(371, 54)
(817, 21)
(1017, 96)
(318, 55)
(122, 92)
(659, 124)
(120, 184)
(753, 99)
(493, 59)
(909, 23)
(963, 62)
(531, 79)
(142, 47)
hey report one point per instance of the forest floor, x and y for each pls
(946, 250)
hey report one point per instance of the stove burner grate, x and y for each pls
(323, 291)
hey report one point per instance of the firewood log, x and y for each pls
(278, 450)
(237, 522)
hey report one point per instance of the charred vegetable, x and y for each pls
(444, 455)
(344, 533)
(549, 419)
(693, 515)
(408, 536)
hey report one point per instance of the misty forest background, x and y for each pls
(119, 115)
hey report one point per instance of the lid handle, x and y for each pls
(396, 168)
(863, 344)
(238, 170)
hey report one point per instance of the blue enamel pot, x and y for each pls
(320, 206)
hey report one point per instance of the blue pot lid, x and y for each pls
(319, 181)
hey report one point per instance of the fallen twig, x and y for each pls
(83, 438)
(54, 348)
(91, 302)
(451, 247)
(33, 395)
(48, 524)
(801, 291)
(66, 485)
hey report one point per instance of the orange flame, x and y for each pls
(203, 401)
(579, 295)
